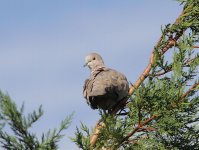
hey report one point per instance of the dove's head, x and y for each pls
(94, 61)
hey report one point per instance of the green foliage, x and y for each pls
(21, 138)
(163, 111)
(82, 140)
(114, 131)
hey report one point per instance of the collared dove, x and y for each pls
(105, 87)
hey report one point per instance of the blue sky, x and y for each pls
(43, 45)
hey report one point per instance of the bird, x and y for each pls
(105, 87)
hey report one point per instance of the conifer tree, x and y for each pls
(161, 111)
(15, 128)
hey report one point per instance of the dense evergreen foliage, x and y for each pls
(162, 109)
(15, 128)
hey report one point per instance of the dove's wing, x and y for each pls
(105, 88)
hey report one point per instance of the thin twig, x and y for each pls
(169, 68)
(146, 129)
(162, 72)
(182, 98)
(139, 116)
(137, 128)
(195, 46)
(188, 92)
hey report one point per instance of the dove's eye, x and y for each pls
(93, 58)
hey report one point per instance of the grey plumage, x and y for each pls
(105, 87)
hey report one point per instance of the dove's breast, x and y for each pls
(105, 88)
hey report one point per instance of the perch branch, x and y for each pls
(96, 131)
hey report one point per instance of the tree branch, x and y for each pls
(146, 129)
(136, 129)
(96, 132)
(169, 68)
(188, 92)
(181, 99)
(195, 46)
(160, 73)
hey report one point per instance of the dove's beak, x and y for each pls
(85, 64)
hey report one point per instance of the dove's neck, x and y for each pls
(97, 69)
